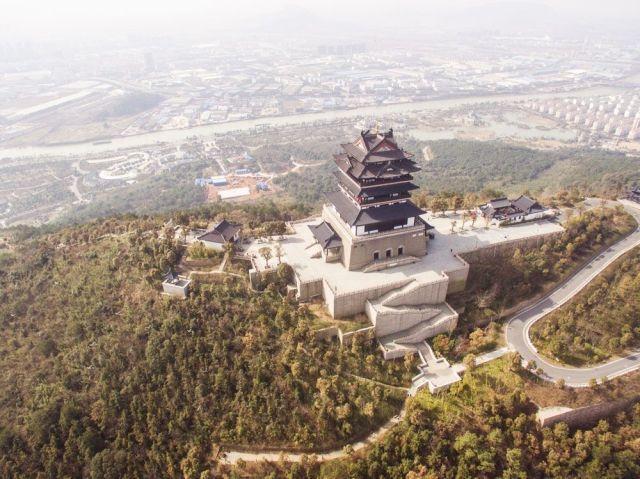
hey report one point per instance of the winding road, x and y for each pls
(517, 334)
(517, 329)
(233, 457)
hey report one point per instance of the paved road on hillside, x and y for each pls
(517, 338)
(517, 330)
(233, 457)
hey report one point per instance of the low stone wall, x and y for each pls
(389, 321)
(588, 416)
(309, 289)
(179, 291)
(329, 332)
(418, 293)
(354, 302)
(397, 353)
(346, 338)
(254, 278)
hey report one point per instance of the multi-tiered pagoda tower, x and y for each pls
(370, 221)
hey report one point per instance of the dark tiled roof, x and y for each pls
(378, 147)
(388, 189)
(396, 211)
(526, 204)
(221, 233)
(347, 183)
(505, 207)
(386, 155)
(354, 216)
(325, 235)
(378, 170)
(373, 139)
(500, 203)
(347, 209)
(360, 170)
(374, 189)
(354, 151)
(426, 225)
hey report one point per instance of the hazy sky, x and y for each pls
(77, 18)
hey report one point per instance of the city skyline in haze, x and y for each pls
(69, 20)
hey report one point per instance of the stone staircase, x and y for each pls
(389, 319)
(438, 319)
(398, 296)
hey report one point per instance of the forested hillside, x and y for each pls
(452, 166)
(601, 321)
(104, 377)
(484, 427)
(169, 191)
(473, 166)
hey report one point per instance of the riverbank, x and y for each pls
(207, 131)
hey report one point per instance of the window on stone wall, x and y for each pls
(389, 253)
(376, 255)
(400, 250)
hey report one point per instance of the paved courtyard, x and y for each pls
(297, 251)
(479, 236)
(298, 248)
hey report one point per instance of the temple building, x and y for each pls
(370, 221)
(503, 211)
(221, 234)
(372, 252)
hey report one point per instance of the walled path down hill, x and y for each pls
(517, 329)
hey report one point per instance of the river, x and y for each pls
(208, 131)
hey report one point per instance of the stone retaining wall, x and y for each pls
(345, 339)
(329, 332)
(457, 277)
(505, 247)
(353, 302)
(588, 416)
(309, 289)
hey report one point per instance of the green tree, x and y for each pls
(266, 253)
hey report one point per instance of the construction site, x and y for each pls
(236, 187)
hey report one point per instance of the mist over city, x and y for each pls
(339, 239)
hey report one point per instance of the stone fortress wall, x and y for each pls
(354, 302)
(410, 304)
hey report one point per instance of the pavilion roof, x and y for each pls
(356, 216)
(325, 235)
(374, 147)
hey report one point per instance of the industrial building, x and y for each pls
(234, 193)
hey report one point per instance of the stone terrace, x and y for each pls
(441, 255)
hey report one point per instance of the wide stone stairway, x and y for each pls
(402, 318)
